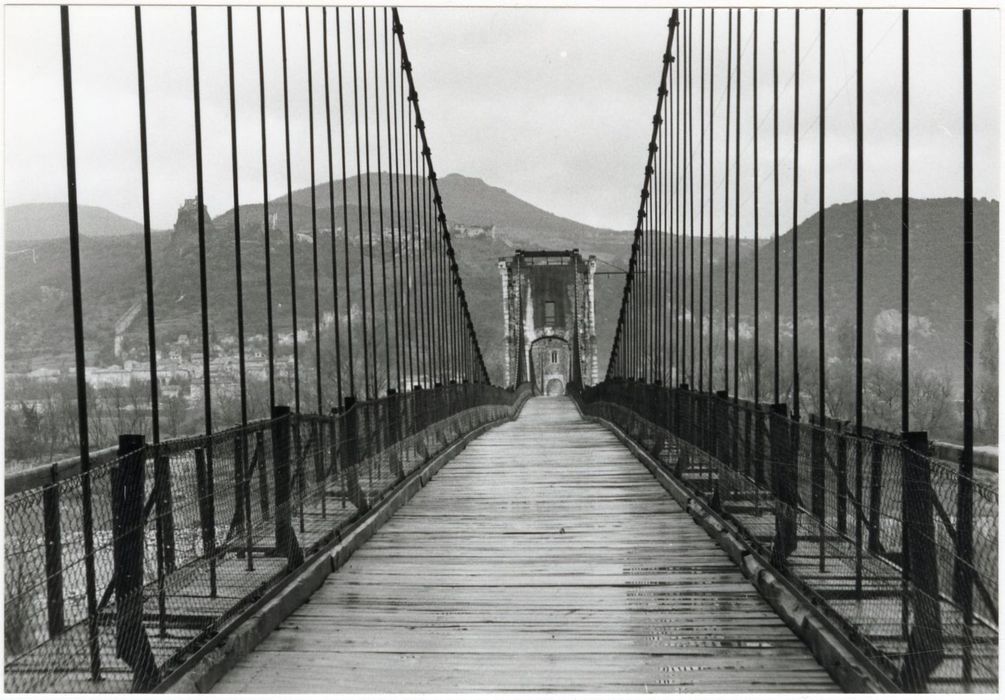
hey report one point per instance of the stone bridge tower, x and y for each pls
(550, 325)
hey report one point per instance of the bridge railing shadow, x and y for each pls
(895, 547)
(190, 534)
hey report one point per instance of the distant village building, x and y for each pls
(170, 391)
(45, 374)
(114, 375)
(474, 230)
(286, 339)
(123, 376)
(257, 369)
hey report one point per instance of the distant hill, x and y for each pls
(517, 224)
(467, 200)
(43, 221)
(38, 307)
(471, 200)
(935, 286)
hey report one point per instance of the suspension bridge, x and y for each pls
(401, 524)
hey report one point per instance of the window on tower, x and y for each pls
(549, 313)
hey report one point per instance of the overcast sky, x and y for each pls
(554, 105)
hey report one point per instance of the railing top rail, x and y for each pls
(48, 474)
(45, 475)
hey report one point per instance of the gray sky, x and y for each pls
(554, 105)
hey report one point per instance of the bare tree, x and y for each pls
(174, 411)
(881, 396)
(932, 406)
(138, 394)
(988, 392)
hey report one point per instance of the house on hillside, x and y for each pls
(474, 230)
(44, 374)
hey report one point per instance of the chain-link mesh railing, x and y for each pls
(870, 527)
(189, 533)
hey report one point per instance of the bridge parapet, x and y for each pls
(123, 563)
(190, 535)
(892, 535)
(864, 526)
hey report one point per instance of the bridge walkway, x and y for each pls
(544, 557)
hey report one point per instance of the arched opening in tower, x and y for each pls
(554, 387)
(551, 365)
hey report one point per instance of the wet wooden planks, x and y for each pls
(544, 557)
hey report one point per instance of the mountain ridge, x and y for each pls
(38, 318)
(38, 221)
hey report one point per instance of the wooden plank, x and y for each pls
(544, 557)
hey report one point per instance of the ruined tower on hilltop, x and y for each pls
(185, 234)
(550, 325)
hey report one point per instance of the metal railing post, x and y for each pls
(684, 429)
(842, 482)
(720, 442)
(237, 520)
(393, 419)
(207, 514)
(366, 433)
(735, 437)
(249, 468)
(298, 468)
(128, 478)
(719, 424)
(875, 494)
(263, 478)
(165, 508)
(745, 411)
(336, 454)
(785, 487)
(818, 477)
(286, 539)
(53, 560)
(451, 404)
(859, 513)
(758, 446)
(925, 642)
(242, 495)
(332, 469)
(159, 529)
(317, 438)
(350, 454)
(439, 414)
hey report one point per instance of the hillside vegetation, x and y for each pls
(38, 318)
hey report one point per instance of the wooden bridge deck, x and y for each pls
(544, 557)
